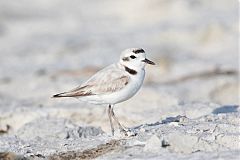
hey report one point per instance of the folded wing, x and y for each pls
(106, 81)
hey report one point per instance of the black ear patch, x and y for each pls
(139, 50)
(133, 57)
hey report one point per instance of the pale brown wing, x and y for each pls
(106, 81)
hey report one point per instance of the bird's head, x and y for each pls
(134, 58)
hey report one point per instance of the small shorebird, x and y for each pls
(114, 84)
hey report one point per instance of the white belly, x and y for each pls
(124, 94)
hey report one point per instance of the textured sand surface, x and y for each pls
(188, 107)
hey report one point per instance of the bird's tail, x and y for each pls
(78, 92)
(64, 94)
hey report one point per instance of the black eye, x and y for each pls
(132, 56)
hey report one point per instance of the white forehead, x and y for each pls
(138, 52)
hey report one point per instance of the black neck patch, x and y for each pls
(131, 71)
(140, 50)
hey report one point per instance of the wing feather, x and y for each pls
(106, 81)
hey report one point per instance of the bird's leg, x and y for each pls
(122, 129)
(110, 118)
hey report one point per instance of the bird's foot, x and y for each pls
(127, 132)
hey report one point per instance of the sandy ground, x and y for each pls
(188, 107)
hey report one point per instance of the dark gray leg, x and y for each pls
(122, 129)
(110, 118)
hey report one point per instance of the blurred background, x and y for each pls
(48, 47)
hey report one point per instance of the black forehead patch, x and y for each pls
(139, 50)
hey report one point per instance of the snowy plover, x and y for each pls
(114, 84)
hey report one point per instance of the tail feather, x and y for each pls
(60, 95)
(74, 93)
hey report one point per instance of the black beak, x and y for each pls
(148, 61)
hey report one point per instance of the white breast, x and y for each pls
(129, 91)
